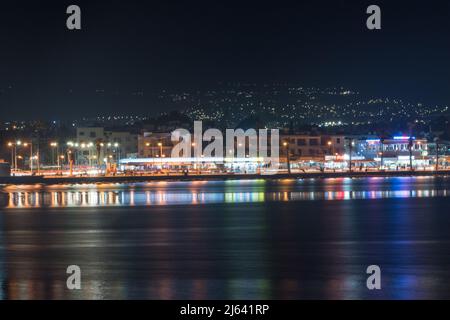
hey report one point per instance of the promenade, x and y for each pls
(49, 180)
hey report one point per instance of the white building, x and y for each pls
(97, 145)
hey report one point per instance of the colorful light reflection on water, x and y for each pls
(210, 192)
(286, 239)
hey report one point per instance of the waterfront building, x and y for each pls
(155, 145)
(393, 153)
(97, 145)
(193, 165)
(304, 147)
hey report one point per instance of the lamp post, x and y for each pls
(89, 146)
(196, 158)
(70, 160)
(26, 144)
(118, 155)
(12, 146)
(350, 144)
(111, 162)
(18, 143)
(288, 158)
(19, 157)
(54, 145)
(436, 140)
(100, 146)
(160, 145)
(330, 149)
(60, 161)
(410, 146)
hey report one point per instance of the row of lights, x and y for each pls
(90, 144)
(70, 144)
(18, 143)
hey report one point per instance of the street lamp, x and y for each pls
(351, 144)
(117, 151)
(30, 144)
(381, 153)
(18, 143)
(54, 145)
(12, 146)
(436, 140)
(70, 161)
(410, 147)
(330, 146)
(160, 145)
(60, 161)
(286, 145)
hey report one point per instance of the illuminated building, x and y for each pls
(152, 145)
(394, 152)
(314, 147)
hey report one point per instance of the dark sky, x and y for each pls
(124, 47)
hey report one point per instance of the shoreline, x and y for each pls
(29, 180)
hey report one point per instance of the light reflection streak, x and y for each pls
(55, 199)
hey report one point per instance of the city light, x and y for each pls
(244, 152)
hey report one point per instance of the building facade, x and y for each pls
(155, 145)
(312, 147)
(396, 151)
(97, 145)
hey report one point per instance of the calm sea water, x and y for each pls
(288, 239)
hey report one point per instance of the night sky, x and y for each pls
(126, 47)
